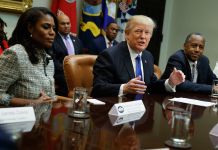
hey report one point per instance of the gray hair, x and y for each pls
(139, 19)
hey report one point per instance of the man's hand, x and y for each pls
(176, 77)
(135, 86)
(43, 98)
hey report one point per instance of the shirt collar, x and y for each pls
(191, 62)
(106, 40)
(64, 37)
(133, 53)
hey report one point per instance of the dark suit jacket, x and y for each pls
(113, 67)
(60, 51)
(205, 74)
(98, 45)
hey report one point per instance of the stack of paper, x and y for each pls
(193, 101)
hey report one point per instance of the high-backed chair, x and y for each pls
(78, 71)
(157, 71)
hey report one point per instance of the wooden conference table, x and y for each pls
(55, 130)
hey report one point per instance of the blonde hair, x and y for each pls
(139, 19)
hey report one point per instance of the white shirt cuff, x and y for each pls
(121, 90)
(168, 87)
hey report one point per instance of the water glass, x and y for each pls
(180, 123)
(214, 92)
(79, 109)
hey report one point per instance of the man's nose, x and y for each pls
(114, 31)
(143, 35)
(197, 49)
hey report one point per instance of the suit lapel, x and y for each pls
(145, 68)
(200, 71)
(189, 71)
(187, 65)
(127, 60)
(102, 44)
(75, 45)
(61, 43)
(115, 42)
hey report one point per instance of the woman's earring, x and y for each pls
(31, 35)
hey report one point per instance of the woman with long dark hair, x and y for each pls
(26, 74)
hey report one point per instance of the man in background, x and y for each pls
(63, 45)
(191, 61)
(105, 41)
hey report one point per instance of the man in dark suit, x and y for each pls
(105, 41)
(193, 64)
(116, 72)
(63, 45)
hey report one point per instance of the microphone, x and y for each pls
(46, 62)
(47, 59)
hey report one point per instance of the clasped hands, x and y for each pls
(44, 98)
(136, 86)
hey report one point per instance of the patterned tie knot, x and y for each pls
(109, 44)
(66, 37)
(138, 58)
(193, 65)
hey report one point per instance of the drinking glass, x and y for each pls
(79, 109)
(214, 92)
(180, 122)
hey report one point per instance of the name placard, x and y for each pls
(18, 126)
(126, 112)
(117, 120)
(16, 114)
(126, 108)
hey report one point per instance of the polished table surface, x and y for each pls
(55, 130)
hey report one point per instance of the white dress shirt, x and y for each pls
(108, 43)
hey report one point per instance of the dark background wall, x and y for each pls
(155, 10)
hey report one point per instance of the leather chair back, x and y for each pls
(78, 71)
(157, 71)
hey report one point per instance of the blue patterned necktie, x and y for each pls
(138, 66)
(138, 72)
